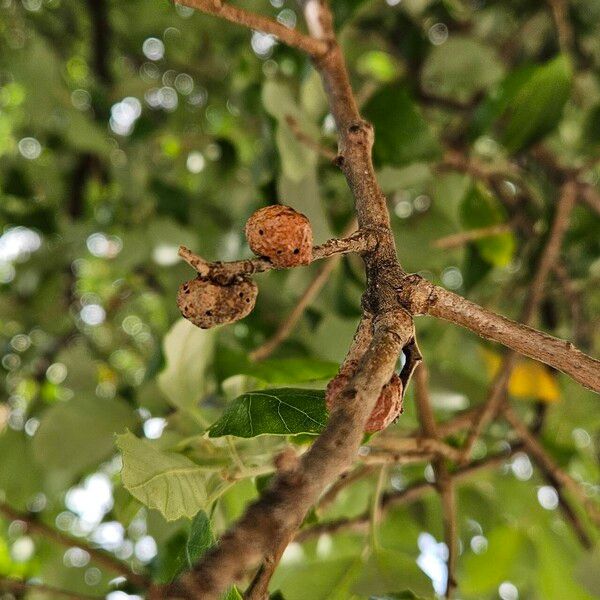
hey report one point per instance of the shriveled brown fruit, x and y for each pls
(207, 304)
(280, 234)
(387, 408)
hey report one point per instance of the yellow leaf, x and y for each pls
(529, 379)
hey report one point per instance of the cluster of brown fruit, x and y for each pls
(284, 237)
(277, 233)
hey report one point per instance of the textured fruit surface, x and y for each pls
(207, 304)
(387, 408)
(280, 234)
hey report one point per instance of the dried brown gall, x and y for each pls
(280, 234)
(388, 406)
(207, 304)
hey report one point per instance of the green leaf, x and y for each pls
(232, 594)
(482, 573)
(591, 129)
(379, 65)
(401, 134)
(474, 268)
(165, 481)
(292, 370)
(344, 10)
(481, 209)
(77, 435)
(274, 371)
(529, 103)
(317, 579)
(389, 569)
(460, 68)
(20, 476)
(587, 572)
(183, 551)
(297, 184)
(188, 353)
(553, 582)
(537, 107)
(200, 539)
(282, 411)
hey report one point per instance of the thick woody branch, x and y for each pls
(280, 511)
(288, 36)
(101, 558)
(421, 297)
(224, 272)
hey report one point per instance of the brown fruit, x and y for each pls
(280, 234)
(207, 304)
(388, 406)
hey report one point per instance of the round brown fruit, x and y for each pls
(388, 406)
(207, 304)
(281, 234)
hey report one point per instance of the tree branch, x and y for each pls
(421, 297)
(412, 493)
(271, 520)
(549, 257)
(560, 12)
(288, 36)
(418, 445)
(308, 141)
(21, 587)
(443, 479)
(548, 465)
(100, 557)
(464, 237)
(390, 298)
(360, 242)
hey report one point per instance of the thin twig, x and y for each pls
(560, 12)
(239, 16)
(223, 272)
(590, 195)
(23, 587)
(548, 465)
(100, 557)
(345, 480)
(464, 237)
(443, 479)
(426, 445)
(308, 141)
(550, 255)
(412, 493)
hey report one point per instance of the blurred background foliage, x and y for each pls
(128, 128)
